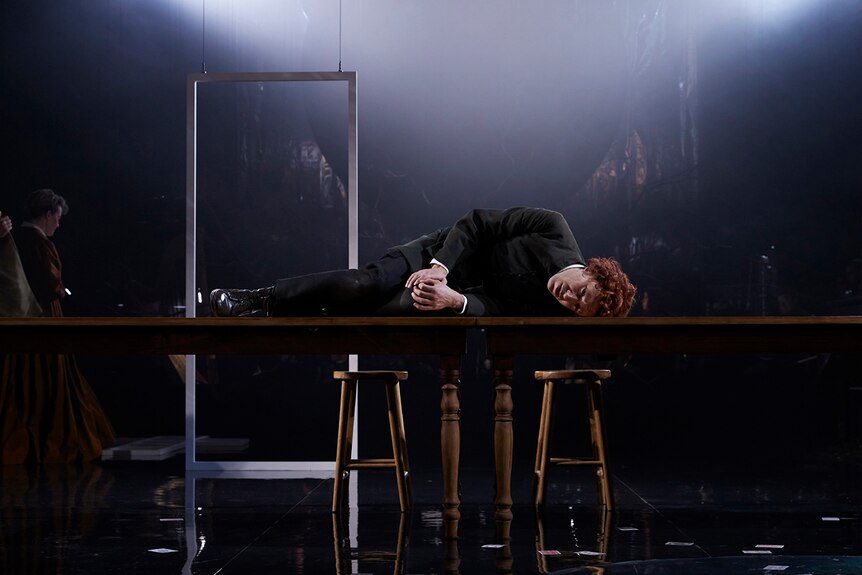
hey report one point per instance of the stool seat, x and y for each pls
(578, 376)
(343, 460)
(369, 374)
(592, 379)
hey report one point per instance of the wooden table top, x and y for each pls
(209, 335)
(430, 335)
(703, 335)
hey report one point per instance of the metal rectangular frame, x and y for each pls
(191, 234)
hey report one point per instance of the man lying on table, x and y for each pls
(519, 261)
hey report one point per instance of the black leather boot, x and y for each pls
(240, 302)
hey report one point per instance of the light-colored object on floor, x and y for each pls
(162, 447)
(343, 461)
(592, 379)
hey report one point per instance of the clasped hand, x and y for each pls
(434, 273)
(430, 292)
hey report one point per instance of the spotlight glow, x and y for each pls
(779, 11)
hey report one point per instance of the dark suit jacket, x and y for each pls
(501, 259)
(41, 264)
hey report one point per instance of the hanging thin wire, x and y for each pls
(339, 35)
(203, 36)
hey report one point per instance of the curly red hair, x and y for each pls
(618, 293)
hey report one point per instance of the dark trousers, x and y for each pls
(376, 289)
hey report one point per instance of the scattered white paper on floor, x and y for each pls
(549, 552)
(757, 551)
(589, 553)
(628, 528)
(775, 567)
(162, 550)
(680, 543)
(769, 546)
(492, 545)
(831, 518)
(171, 519)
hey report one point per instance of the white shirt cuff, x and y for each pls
(441, 264)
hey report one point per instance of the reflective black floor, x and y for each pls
(698, 514)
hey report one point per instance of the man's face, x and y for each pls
(52, 222)
(576, 290)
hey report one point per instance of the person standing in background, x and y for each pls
(48, 410)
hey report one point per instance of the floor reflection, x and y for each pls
(350, 557)
(582, 539)
(59, 504)
(780, 514)
(729, 566)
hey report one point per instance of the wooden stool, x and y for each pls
(592, 379)
(343, 461)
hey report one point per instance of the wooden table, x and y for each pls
(446, 338)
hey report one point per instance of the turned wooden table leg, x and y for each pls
(450, 443)
(503, 441)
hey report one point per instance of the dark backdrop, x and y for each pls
(712, 149)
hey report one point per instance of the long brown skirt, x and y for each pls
(49, 413)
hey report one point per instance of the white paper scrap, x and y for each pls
(492, 546)
(831, 518)
(171, 519)
(757, 551)
(775, 567)
(628, 528)
(589, 554)
(162, 550)
(680, 543)
(768, 546)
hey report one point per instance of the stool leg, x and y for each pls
(396, 429)
(348, 445)
(402, 439)
(542, 416)
(594, 395)
(544, 438)
(345, 441)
